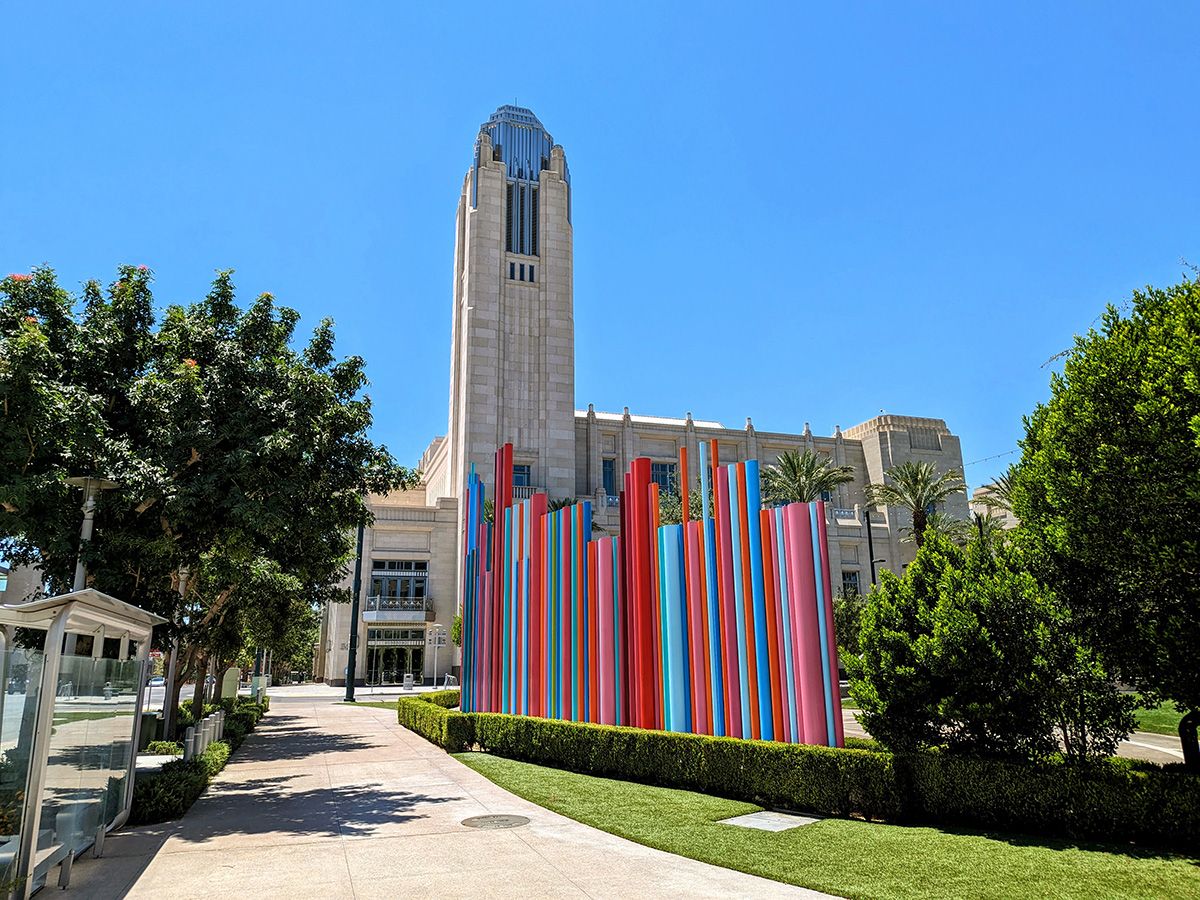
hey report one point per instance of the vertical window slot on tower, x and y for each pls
(518, 218)
(533, 218)
(508, 222)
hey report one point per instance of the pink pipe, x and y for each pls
(809, 658)
(697, 652)
(605, 601)
(838, 729)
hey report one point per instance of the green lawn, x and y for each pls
(1161, 719)
(848, 858)
(378, 704)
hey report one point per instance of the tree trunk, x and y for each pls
(219, 685)
(171, 698)
(1187, 736)
(920, 522)
(198, 696)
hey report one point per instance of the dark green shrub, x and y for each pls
(214, 757)
(235, 732)
(164, 748)
(1113, 799)
(968, 651)
(857, 743)
(170, 792)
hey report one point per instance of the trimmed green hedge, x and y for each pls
(431, 716)
(1114, 800)
(793, 776)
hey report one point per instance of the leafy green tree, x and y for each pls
(967, 651)
(801, 477)
(670, 507)
(51, 426)
(917, 487)
(1108, 493)
(847, 622)
(243, 463)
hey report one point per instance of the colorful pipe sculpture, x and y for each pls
(722, 626)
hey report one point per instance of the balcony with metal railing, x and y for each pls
(398, 609)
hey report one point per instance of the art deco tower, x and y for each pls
(512, 364)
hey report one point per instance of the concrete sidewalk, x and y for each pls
(329, 801)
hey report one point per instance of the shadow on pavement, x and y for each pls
(277, 741)
(271, 805)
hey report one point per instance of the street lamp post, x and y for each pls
(91, 490)
(435, 632)
(870, 542)
(352, 659)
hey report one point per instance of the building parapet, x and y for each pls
(404, 514)
(895, 423)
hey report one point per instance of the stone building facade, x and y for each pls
(512, 379)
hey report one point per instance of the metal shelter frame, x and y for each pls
(84, 611)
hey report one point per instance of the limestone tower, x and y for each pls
(512, 363)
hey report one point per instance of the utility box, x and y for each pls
(229, 684)
(408, 681)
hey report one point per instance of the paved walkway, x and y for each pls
(328, 801)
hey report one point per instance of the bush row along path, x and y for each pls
(323, 800)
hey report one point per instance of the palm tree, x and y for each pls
(917, 487)
(801, 477)
(564, 502)
(999, 494)
(957, 531)
(990, 530)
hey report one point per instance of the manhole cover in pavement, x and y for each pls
(497, 821)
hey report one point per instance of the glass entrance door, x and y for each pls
(389, 665)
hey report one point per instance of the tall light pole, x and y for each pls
(352, 660)
(870, 541)
(91, 490)
(436, 631)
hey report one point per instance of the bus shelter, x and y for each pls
(69, 721)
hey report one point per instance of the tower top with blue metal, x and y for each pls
(521, 139)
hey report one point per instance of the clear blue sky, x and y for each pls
(792, 213)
